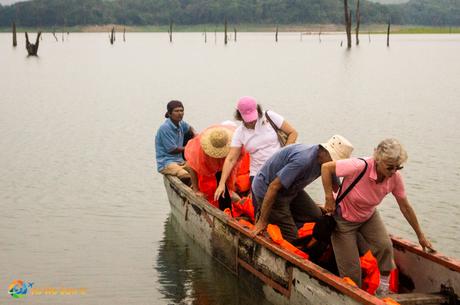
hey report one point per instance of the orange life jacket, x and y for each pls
(243, 207)
(349, 281)
(275, 234)
(242, 182)
(371, 280)
(306, 229)
(390, 301)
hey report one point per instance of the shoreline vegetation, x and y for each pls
(262, 28)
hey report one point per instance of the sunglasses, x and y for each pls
(395, 168)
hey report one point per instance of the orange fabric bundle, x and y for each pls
(246, 224)
(349, 281)
(306, 230)
(243, 184)
(275, 234)
(207, 185)
(394, 280)
(371, 280)
(390, 301)
(243, 207)
(228, 212)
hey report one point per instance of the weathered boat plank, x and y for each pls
(420, 299)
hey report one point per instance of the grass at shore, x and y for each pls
(310, 28)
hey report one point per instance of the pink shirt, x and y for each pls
(360, 203)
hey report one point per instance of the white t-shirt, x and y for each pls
(261, 142)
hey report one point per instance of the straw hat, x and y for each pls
(338, 147)
(215, 141)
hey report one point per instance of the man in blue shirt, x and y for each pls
(169, 142)
(278, 187)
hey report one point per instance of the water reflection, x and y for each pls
(188, 275)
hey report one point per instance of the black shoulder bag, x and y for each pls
(282, 136)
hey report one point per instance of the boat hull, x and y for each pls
(282, 277)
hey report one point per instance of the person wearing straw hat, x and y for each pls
(365, 183)
(279, 185)
(170, 141)
(205, 155)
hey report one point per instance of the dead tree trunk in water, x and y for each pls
(112, 35)
(124, 34)
(388, 33)
(347, 22)
(15, 41)
(358, 21)
(276, 34)
(170, 30)
(32, 49)
(54, 34)
(225, 30)
(234, 30)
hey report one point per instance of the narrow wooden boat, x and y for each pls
(284, 278)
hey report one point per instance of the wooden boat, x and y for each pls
(284, 278)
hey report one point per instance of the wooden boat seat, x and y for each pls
(420, 298)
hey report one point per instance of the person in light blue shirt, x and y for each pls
(169, 141)
(278, 187)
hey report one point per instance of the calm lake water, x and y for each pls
(82, 205)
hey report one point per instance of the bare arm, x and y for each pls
(409, 214)
(267, 205)
(229, 163)
(193, 178)
(290, 131)
(327, 171)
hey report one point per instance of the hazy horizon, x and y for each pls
(8, 2)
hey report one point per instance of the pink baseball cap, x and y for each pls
(247, 106)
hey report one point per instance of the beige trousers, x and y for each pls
(175, 169)
(344, 241)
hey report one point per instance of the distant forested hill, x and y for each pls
(189, 12)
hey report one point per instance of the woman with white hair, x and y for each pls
(365, 183)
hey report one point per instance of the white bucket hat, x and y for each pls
(215, 141)
(338, 147)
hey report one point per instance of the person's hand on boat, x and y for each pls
(220, 191)
(259, 227)
(426, 244)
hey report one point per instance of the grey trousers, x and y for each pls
(345, 244)
(290, 209)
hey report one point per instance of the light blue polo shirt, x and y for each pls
(168, 138)
(296, 165)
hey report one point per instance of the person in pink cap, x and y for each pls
(256, 135)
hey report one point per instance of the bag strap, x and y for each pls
(271, 122)
(351, 186)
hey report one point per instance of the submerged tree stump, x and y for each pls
(170, 31)
(358, 22)
(225, 30)
(15, 41)
(32, 49)
(112, 35)
(347, 14)
(388, 33)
